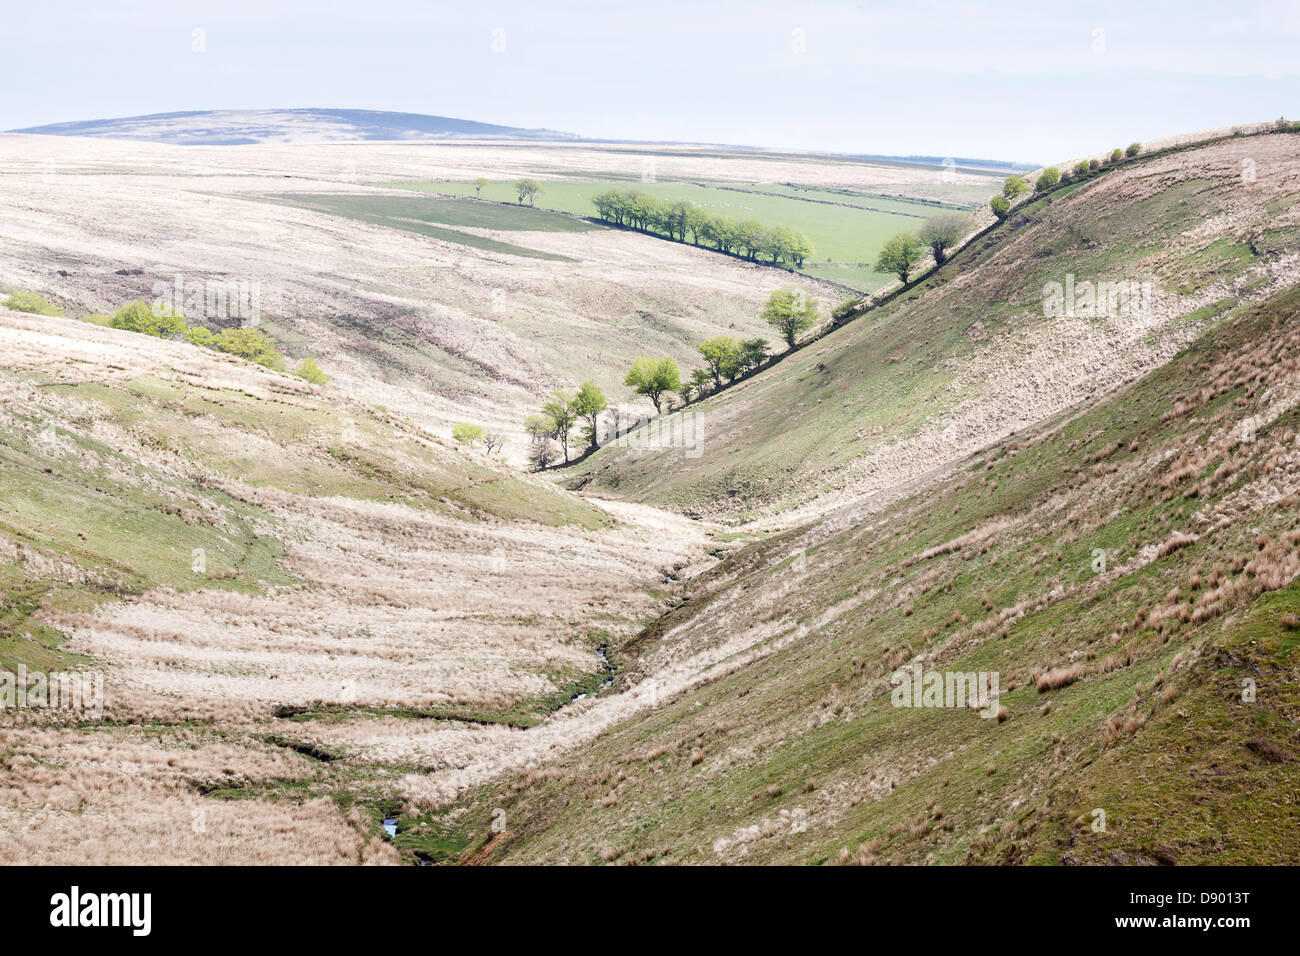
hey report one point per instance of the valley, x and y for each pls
(330, 632)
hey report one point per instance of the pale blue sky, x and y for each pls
(1028, 81)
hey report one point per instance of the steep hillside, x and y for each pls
(229, 548)
(968, 356)
(1128, 573)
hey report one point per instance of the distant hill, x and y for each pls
(247, 127)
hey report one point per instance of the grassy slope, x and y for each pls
(850, 235)
(94, 517)
(437, 218)
(1156, 733)
(785, 433)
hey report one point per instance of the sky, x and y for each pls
(1032, 82)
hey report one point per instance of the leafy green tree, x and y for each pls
(478, 186)
(467, 434)
(539, 427)
(251, 344)
(1133, 149)
(1047, 179)
(674, 219)
(527, 189)
(941, 232)
(800, 249)
(900, 255)
(610, 205)
(639, 209)
(309, 370)
(722, 232)
(751, 237)
(653, 378)
(721, 355)
(701, 381)
(1080, 168)
(1001, 208)
(790, 311)
(1014, 186)
(753, 353)
(32, 304)
(198, 335)
(696, 218)
(587, 405)
(1116, 155)
(159, 320)
(559, 410)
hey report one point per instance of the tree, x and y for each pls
(1047, 179)
(539, 427)
(790, 311)
(541, 454)
(701, 380)
(478, 186)
(493, 442)
(467, 434)
(1001, 208)
(1014, 186)
(900, 254)
(588, 404)
(674, 220)
(720, 355)
(527, 189)
(309, 370)
(32, 303)
(751, 237)
(159, 319)
(696, 218)
(559, 410)
(251, 344)
(753, 353)
(1080, 169)
(1133, 150)
(942, 232)
(653, 377)
(1116, 155)
(610, 205)
(800, 249)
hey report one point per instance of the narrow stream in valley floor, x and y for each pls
(602, 654)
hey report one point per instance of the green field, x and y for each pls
(437, 218)
(846, 229)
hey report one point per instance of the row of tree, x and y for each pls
(1017, 186)
(557, 419)
(528, 189)
(687, 222)
(904, 250)
(789, 310)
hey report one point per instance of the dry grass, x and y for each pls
(434, 330)
(72, 798)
